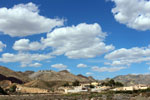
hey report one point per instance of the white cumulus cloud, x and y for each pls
(107, 69)
(81, 65)
(25, 45)
(125, 56)
(81, 41)
(35, 65)
(59, 66)
(24, 19)
(89, 73)
(133, 13)
(24, 58)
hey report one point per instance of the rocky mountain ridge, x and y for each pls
(131, 79)
(44, 75)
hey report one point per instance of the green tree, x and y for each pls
(92, 86)
(112, 83)
(2, 91)
(66, 84)
(118, 84)
(76, 83)
(13, 88)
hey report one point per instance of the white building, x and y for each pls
(131, 88)
(95, 83)
(96, 89)
(76, 89)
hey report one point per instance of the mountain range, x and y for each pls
(41, 79)
(49, 78)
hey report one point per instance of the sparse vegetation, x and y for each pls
(92, 86)
(118, 84)
(112, 83)
(76, 83)
(12, 88)
(2, 91)
(66, 84)
(77, 96)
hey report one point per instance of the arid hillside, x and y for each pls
(59, 76)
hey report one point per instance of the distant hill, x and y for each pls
(13, 75)
(90, 78)
(26, 73)
(59, 76)
(45, 84)
(133, 79)
(45, 75)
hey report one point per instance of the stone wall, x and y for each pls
(23, 89)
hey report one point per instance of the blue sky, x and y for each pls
(99, 38)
